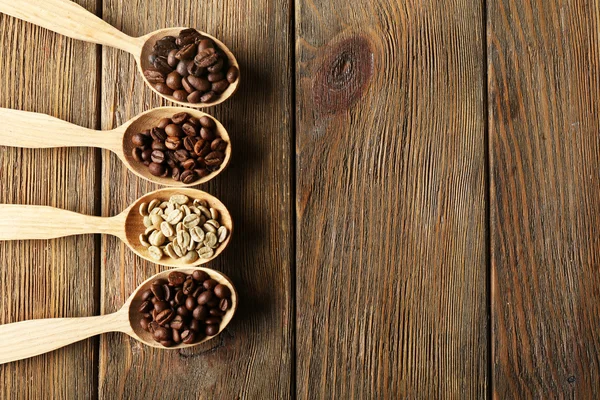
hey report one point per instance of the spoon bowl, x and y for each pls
(72, 20)
(20, 340)
(33, 130)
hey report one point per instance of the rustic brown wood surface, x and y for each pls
(544, 85)
(48, 73)
(403, 174)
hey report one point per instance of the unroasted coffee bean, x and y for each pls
(232, 74)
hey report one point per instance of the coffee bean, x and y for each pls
(207, 134)
(183, 311)
(187, 52)
(201, 312)
(145, 307)
(165, 316)
(208, 97)
(197, 291)
(157, 290)
(216, 67)
(207, 122)
(166, 172)
(188, 337)
(196, 325)
(218, 145)
(205, 297)
(176, 278)
(200, 84)
(215, 77)
(167, 343)
(136, 154)
(220, 86)
(144, 322)
(224, 305)
(162, 65)
(194, 70)
(176, 336)
(211, 330)
(222, 291)
(214, 302)
(200, 276)
(182, 67)
(173, 80)
(216, 312)
(173, 143)
(161, 333)
(159, 145)
(153, 326)
(232, 74)
(180, 297)
(214, 158)
(174, 130)
(176, 174)
(163, 47)
(189, 142)
(187, 85)
(189, 164)
(188, 286)
(210, 284)
(153, 76)
(177, 322)
(158, 134)
(202, 172)
(139, 140)
(179, 118)
(169, 291)
(180, 95)
(195, 97)
(158, 157)
(181, 155)
(171, 59)
(190, 303)
(205, 58)
(147, 155)
(205, 44)
(162, 88)
(156, 169)
(187, 36)
(160, 306)
(188, 176)
(147, 294)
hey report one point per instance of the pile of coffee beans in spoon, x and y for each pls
(190, 67)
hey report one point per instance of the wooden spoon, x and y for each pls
(35, 131)
(41, 222)
(70, 19)
(26, 339)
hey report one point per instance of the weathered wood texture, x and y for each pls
(48, 73)
(391, 255)
(544, 88)
(253, 357)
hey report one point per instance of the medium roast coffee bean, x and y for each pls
(153, 76)
(188, 336)
(180, 95)
(158, 156)
(195, 97)
(205, 297)
(156, 169)
(220, 86)
(164, 317)
(232, 74)
(173, 80)
(208, 97)
(222, 291)
(188, 176)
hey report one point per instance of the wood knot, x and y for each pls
(343, 77)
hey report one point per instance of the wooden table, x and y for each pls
(414, 186)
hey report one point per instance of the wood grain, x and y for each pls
(545, 210)
(391, 255)
(47, 73)
(252, 358)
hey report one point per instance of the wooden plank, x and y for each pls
(45, 72)
(391, 254)
(253, 357)
(545, 211)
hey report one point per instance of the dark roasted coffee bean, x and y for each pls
(213, 303)
(207, 134)
(208, 97)
(147, 155)
(173, 143)
(174, 130)
(173, 80)
(188, 176)
(205, 297)
(232, 74)
(136, 154)
(180, 95)
(195, 97)
(220, 86)
(161, 333)
(215, 158)
(187, 86)
(216, 67)
(202, 172)
(163, 46)
(218, 145)
(189, 164)
(194, 70)
(200, 276)
(147, 294)
(176, 174)
(176, 278)
(139, 140)
(205, 44)
(153, 76)
(162, 124)
(182, 67)
(166, 172)
(213, 320)
(181, 155)
(159, 145)
(197, 291)
(210, 284)
(176, 336)
(169, 292)
(211, 330)
(158, 157)
(145, 307)
(188, 287)
(156, 169)
(167, 343)
(162, 65)
(201, 312)
(187, 36)
(158, 134)
(196, 325)
(189, 143)
(215, 77)
(180, 297)
(215, 312)
(157, 289)
(165, 316)
(160, 306)
(171, 59)
(207, 122)
(187, 52)
(162, 88)
(200, 145)
(180, 118)
(205, 58)
(177, 322)
(189, 129)
(222, 291)
(144, 322)
(183, 311)
(152, 326)
(190, 303)
(188, 337)
(200, 84)
(224, 305)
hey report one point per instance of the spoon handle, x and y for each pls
(70, 19)
(41, 131)
(41, 222)
(30, 338)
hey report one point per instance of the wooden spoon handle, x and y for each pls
(72, 20)
(26, 339)
(41, 222)
(40, 131)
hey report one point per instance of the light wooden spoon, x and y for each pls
(26, 339)
(35, 131)
(20, 222)
(70, 19)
